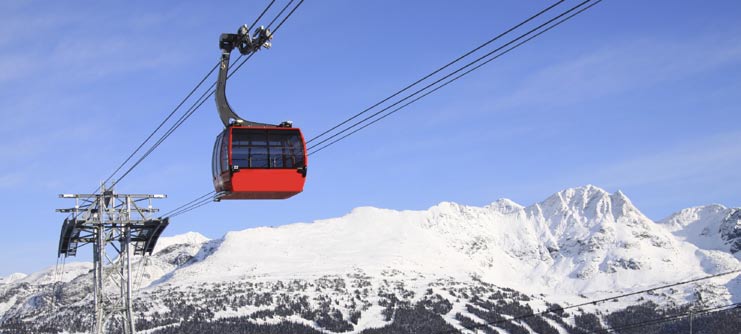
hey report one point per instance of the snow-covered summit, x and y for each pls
(505, 205)
(694, 215)
(709, 227)
(584, 204)
(14, 277)
(185, 238)
(63, 273)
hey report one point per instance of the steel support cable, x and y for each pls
(272, 33)
(438, 70)
(57, 281)
(178, 106)
(162, 123)
(212, 192)
(200, 201)
(193, 206)
(441, 79)
(279, 14)
(695, 280)
(54, 280)
(177, 123)
(209, 92)
(197, 104)
(313, 147)
(194, 107)
(142, 269)
(452, 80)
(262, 14)
(671, 318)
(152, 134)
(657, 321)
(599, 301)
(287, 16)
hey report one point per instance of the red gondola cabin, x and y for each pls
(259, 162)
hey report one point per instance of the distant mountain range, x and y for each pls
(449, 268)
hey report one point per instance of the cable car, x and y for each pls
(254, 160)
(259, 162)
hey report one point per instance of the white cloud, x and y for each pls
(620, 68)
(12, 179)
(19, 24)
(89, 49)
(711, 158)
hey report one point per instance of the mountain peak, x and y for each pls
(505, 205)
(710, 227)
(586, 192)
(621, 204)
(620, 194)
(590, 213)
(588, 201)
(185, 238)
(688, 216)
(12, 278)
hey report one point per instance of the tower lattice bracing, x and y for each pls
(119, 227)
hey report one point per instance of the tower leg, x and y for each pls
(98, 256)
(126, 255)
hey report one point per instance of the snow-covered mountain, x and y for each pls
(358, 272)
(709, 227)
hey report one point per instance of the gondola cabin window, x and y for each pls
(259, 148)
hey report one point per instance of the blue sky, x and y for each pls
(641, 96)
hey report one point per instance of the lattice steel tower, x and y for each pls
(118, 226)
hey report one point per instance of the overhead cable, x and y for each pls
(602, 300)
(437, 70)
(193, 206)
(670, 318)
(210, 193)
(315, 149)
(207, 94)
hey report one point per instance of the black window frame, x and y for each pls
(289, 147)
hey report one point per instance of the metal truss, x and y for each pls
(118, 226)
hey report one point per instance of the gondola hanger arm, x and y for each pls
(247, 44)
